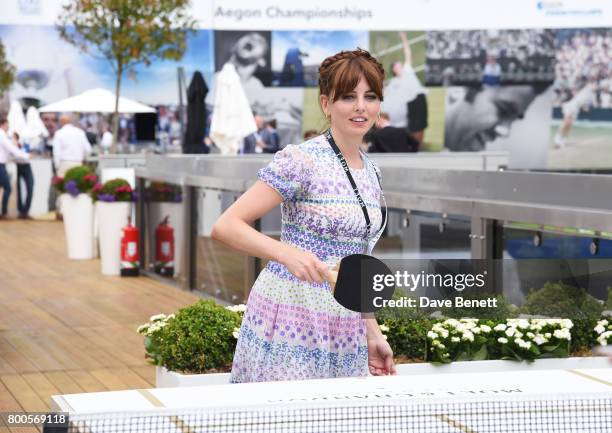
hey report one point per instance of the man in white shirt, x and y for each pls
(70, 146)
(7, 148)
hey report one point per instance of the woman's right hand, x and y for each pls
(305, 265)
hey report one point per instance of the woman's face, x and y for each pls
(355, 113)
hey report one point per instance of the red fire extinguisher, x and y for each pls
(164, 249)
(130, 257)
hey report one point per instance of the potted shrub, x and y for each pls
(77, 209)
(197, 339)
(113, 203)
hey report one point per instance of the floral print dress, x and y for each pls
(294, 329)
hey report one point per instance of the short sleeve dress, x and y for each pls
(294, 329)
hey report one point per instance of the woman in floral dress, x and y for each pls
(293, 328)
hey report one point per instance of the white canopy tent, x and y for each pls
(96, 101)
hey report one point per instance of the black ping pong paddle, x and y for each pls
(353, 286)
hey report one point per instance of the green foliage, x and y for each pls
(563, 301)
(198, 339)
(582, 334)
(407, 337)
(128, 32)
(113, 190)
(609, 303)
(7, 71)
(77, 180)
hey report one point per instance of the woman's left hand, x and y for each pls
(380, 357)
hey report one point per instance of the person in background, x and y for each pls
(270, 141)
(24, 171)
(106, 142)
(70, 146)
(7, 148)
(249, 144)
(265, 140)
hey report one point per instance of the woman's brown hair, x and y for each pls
(340, 73)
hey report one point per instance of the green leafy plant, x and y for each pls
(609, 303)
(127, 33)
(562, 301)
(77, 180)
(7, 72)
(200, 338)
(114, 190)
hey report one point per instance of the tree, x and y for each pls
(127, 33)
(7, 72)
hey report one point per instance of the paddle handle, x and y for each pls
(332, 277)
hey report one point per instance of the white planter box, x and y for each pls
(78, 225)
(170, 379)
(112, 217)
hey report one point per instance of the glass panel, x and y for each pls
(165, 229)
(534, 258)
(220, 271)
(424, 236)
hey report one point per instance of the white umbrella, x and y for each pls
(232, 118)
(96, 101)
(35, 128)
(16, 119)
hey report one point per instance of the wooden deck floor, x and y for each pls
(65, 328)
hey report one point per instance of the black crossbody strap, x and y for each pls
(347, 171)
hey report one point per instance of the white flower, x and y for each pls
(435, 342)
(170, 316)
(500, 327)
(485, 328)
(539, 340)
(603, 322)
(432, 335)
(603, 338)
(567, 323)
(502, 340)
(384, 328)
(518, 334)
(441, 346)
(467, 336)
(241, 308)
(562, 334)
(384, 336)
(236, 333)
(600, 329)
(523, 344)
(142, 329)
(157, 317)
(444, 333)
(522, 324)
(510, 332)
(530, 334)
(548, 335)
(455, 339)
